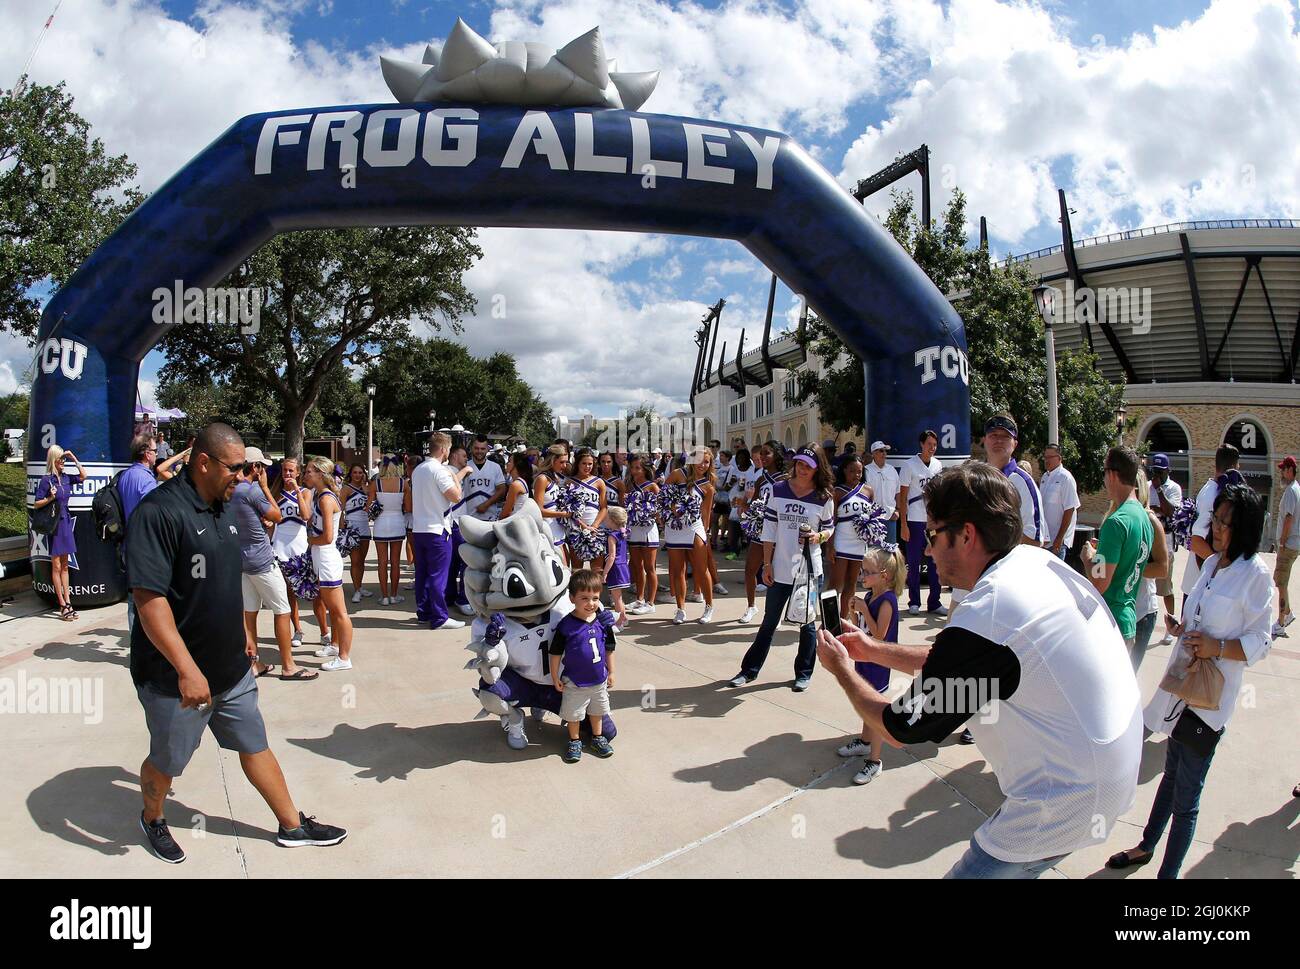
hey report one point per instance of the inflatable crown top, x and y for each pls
(472, 70)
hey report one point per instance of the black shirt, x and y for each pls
(188, 551)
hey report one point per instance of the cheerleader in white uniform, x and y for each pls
(853, 498)
(355, 499)
(519, 471)
(689, 540)
(610, 473)
(547, 483)
(643, 540)
(389, 494)
(323, 531)
(591, 491)
(767, 470)
(289, 540)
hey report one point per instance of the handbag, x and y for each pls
(799, 609)
(1199, 682)
(1195, 733)
(45, 520)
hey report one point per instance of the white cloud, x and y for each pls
(1185, 122)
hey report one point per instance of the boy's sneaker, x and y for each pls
(601, 747)
(857, 747)
(573, 752)
(310, 832)
(161, 842)
(870, 768)
(748, 615)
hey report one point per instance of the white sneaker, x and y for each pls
(1278, 630)
(394, 600)
(760, 587)
(450, 623)
(857, 747)
(719, 589)
(679, 617)
(465, 610)
(913, 610)
(337, 663)
(647, 608)
(356, 596)
(708, 615)
(296, 640)
(327, 650)
(870, 769)
(367, 594)
(748, 615)
(383, 601)
(695, 597)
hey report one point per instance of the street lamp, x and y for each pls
(1120, 414)
(1045, 299)
(370, 429)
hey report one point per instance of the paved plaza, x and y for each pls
(707, 781)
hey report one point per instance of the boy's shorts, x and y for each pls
(577, 702)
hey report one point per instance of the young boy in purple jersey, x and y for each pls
(583, 644)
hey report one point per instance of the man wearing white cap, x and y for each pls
(882, 478)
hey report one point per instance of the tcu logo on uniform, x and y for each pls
(64, 354)
(952, 362)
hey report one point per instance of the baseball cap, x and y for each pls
(1161, 460)
(827, 445)
(1287, 462)
(879, 446)
(252, 454)
(1000, 422)
(808, 456)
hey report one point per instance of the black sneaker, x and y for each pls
(309, 832)
(601, 747)
(966, 737)
(161, 842)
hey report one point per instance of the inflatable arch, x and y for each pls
(486, 165)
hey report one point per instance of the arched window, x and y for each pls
(1251, 438)
(1166, 435)
(788, 437)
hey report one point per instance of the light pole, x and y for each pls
(370, 429)
(1120, 414)
(1045, 299)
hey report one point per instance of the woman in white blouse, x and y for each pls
(1227, 619)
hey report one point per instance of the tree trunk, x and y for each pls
(295, 420)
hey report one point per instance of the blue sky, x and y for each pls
(1139, 110)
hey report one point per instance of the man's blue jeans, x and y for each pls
(1179, 797)
(978, 863)
(774, 603)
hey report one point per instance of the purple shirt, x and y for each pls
(136, 482)
(584, 646)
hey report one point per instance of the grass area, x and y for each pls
(13, 500)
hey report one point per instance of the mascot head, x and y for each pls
(511, 566)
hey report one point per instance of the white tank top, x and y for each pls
(318, 520)
(290, 536)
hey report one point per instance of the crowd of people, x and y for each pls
(1068, 719)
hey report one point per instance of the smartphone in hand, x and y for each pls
(831, 613)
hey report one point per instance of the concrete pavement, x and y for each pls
(706, 781)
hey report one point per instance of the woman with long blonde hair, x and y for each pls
(389, 493)
(56, 486)
(547, 482)
(324, 530)
(685, 533)
(289, 540)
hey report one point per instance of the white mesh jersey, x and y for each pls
(480, 485)
(1066, 744)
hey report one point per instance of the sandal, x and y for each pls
(270, 668)
(1123, 860)
(68, 614)
(301, 673)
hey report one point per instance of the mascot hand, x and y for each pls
(496, 630)
(489, 659)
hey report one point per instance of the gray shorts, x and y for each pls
(175, 733)
(577, 702)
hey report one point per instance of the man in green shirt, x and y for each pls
(1115, 564)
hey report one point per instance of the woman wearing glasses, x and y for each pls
(1227, 621)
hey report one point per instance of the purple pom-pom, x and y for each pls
(642, 507)
(301, 576)
(375, 511)
(586, 546)
(680, 505)
(1180, 525)
(870, 526)
(348, 539)
(751, 522)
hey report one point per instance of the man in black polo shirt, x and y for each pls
(188, 656)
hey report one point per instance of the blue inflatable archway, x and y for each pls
(372, 165)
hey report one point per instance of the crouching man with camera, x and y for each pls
(1033, 650)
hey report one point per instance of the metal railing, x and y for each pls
(1156, 230)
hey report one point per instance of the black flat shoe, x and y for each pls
(1123, 860)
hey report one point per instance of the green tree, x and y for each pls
(1005, 344)
(328, 298)
(441, 376)
(13, 409)
(61, 194)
